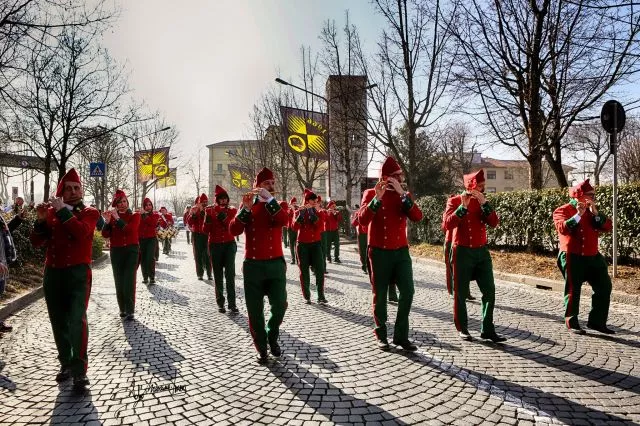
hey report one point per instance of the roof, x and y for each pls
(223, 144)
(508, 164)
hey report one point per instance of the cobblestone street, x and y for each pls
(182, 362)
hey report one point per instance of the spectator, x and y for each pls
(8, 254)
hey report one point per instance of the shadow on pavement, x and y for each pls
(150, 351)
(71, 407)
(5, 382)
(167, 266)
(162, 294)
(533, 399)
(163, 276)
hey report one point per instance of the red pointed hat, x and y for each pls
(293, 200)
(473, 179)
(308, 194)
(389, 167)
(163, 207)
(331, 203)
(145, 201)
(117, 196)
(70, 176)
(580, 189)
(264, 174)
(197, 200)
(220, 191)
(203, 198)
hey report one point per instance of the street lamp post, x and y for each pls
(286, 83)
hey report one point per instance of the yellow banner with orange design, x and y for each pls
(305, 132)
(152, 164)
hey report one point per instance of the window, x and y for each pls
(508, 174)
(490, 190)
(219, 168)
(508, 188)
(491, 174)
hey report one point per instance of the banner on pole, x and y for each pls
(152, 164)
(240, 176)
(305, 132)
(170, 179)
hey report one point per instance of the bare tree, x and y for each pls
(592, 142)
(457, 150)
(178, 201)
(196, 171)
(537, 67)
(629, 152)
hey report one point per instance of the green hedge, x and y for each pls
(26, 252)
(525, 213)
(98, 245)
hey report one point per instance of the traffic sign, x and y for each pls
(97, 170)
(612, 116)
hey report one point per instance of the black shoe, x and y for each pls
(234, 310)
(152, 281)
(262, 357)
(4, 328)
(601, 328)
(222, 310)
(464, 335)
(145, 281)
(470, 297)
(406, 345)
(129, 317)
(337, 261)
(329, 260)
(393, 301)
(200, 278)
(383, 344)
(323, 301)
(307, 301)
(576, 330)
(63, 374)
(80, 383)
(209, 278)
(493, 337)
(275, 350)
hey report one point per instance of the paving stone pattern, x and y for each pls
(182, 362)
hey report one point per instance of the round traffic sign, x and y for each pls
(612, 116)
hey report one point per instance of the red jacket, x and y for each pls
(322, 216)
(469, 225)
(217, 220)
(309, 226)
(67, 235)
(386, 219)
(448, 235)
(290, 213)
(196, 221)
(166, 220)
(124, 231)
(262, 226)
(148, 224)
(360, 229)
(333, 218)
(579, 237)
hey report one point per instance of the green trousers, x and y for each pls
(293, 238)
(223, 263)
(362, 249)
(333, 238)
(265, 278)
(389, 267)
(201, 254)
(148, 258)
(323, 240)
(577, 269)
(446, 250)
(66, 292)
(310, 254)
(124, 263)
(166, 245)
(472, 264)
(157, 252)
(285, 236)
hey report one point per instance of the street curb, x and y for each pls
(25, 300)
(539, 283)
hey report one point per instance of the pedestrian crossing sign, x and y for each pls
(96, 169)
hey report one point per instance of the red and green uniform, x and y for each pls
(264, 268)
(293, 234)
(200, 238)
(68, 237)
(362, 241)
(148, 244)
(580, 261)
(470, 258)
(309, 249)
(322, 215)
(222, 252)
(388, 254)
(446, 251)
(124, 237)
(333, 218)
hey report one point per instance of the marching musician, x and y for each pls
(185, 216)
(309, 246)
(323, 222)
(467, 216)
(65, 227)
(579, 224)
(261, 218)
(333, 216)
(196, 222)
(446, 251)
(166, 224)
(362, 240)
(222, 248)
(148, 241)
(293, 235)
(121, 227)
(384, 210)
